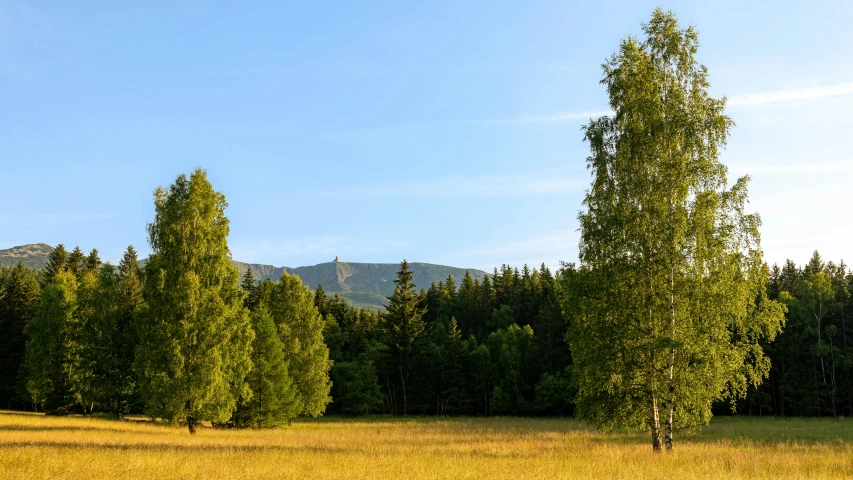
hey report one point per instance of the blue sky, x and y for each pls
(443, 132)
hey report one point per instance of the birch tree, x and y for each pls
(194, 334)
(669, 302)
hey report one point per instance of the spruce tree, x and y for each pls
(75, 262)
(250, 301)
(403, 324)
(321, 301)
(194, 334)
(56, 263)
(93, 261)
(19, 299)
(126, 333)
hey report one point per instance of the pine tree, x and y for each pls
(403, 324)
(274, 396)
(194, 334)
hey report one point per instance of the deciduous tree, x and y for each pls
(194, 334)
(670, 296)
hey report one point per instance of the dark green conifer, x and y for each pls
(75, 262)
(56, 263)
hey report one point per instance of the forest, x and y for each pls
(670, 316)
(496, 347)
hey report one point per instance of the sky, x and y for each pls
(441, 132)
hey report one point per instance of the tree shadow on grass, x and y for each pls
(767, 431)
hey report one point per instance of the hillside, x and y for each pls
(362, 284)
(32, 256)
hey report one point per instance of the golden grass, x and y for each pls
(34, 446)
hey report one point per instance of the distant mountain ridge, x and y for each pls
(34, 255)
(362, 284)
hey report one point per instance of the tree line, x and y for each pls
(670, 315)
(69, 336)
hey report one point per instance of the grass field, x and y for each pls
(34, 446)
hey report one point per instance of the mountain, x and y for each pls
(33, 255)
(362, 284)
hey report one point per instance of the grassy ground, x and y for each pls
(34, 446)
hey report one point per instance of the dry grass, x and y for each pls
(34, 446)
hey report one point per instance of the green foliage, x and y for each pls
(19, 300)
(56, 263)
(670, 302)
(53, 346)
(274, 396)
(194, 334)
(76, 262)
(300, 328)
(403, 324)
(812, 358)
(555, 394)
(512, 351)
(93, 261)
(359, 392)
(108, 336)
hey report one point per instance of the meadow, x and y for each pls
(36, 446)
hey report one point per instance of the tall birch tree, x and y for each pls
(669, 302)
(194, 334)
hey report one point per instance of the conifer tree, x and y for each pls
(403, 324)
(19, 300)
(194, 334)
(321, 301)
(126, 335)
(250, 290)
(56, 262)
(93, 261)
(130, 278)
(75, 262)
(454, 395)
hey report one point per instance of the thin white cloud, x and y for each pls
(791, 95)
(788, 95)
(496, 186)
